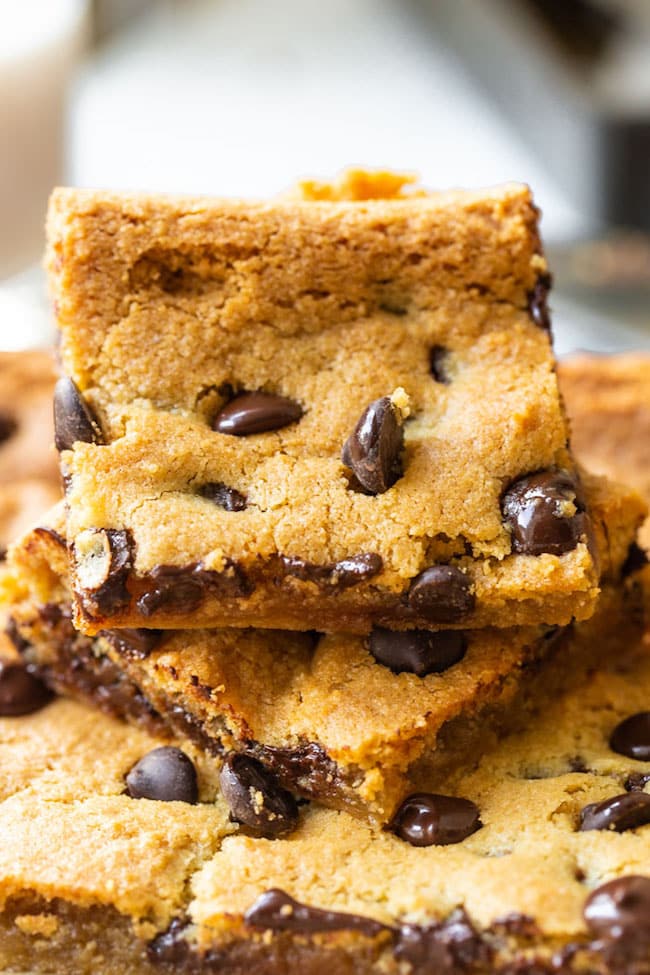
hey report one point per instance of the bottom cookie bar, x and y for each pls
(335, 717)
(539, 858)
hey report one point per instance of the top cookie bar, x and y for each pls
(313, 412)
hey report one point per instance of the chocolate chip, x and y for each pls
(537, 303)
(166, 774)
(21, 692)
(442, 594)
(419, 652)
(73, 418)
(274, 910)
(439, 364)
(517, 925)
(307, 768)
(544, 513)
(373, 450)
(8, 425)
(182, 588)
(632, 737)
(256, 413)
(176, 590)
(444, 949)
(136, 642)
(620, 909)
(256, 798)
(637, 781)
(636, 559)
(426, 819)
(103, 560)
(339, 575)
(15, 636)
(620, 813)
(226, 497)
(170, 945)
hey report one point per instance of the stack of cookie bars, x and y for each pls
(350, 649)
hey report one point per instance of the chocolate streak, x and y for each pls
(449, 947)
(306, 770)
(77, 671)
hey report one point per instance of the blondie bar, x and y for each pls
(335, 411)
(338, 718)
(552, 874)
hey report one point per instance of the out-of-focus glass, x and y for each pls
(40, 44)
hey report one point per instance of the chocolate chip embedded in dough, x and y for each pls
(544, 513)
(428, 819)
(620, 909)
(373, 450)
(171, 945)
(226, 497)
(442, 594)
(637, 781)
(419, 652)
(256, 798)
(103, 559)
(135, 641)
(21, 692)
(620, 813)
(73, 418)
(538, 302)
(439, 364)
(256, 412)
(8, 425)
(275, 910)
(631, 737)
(339, 575)
(165, 774)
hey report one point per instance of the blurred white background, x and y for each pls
(239, 97)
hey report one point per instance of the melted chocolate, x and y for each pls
(182, 589)
(536, 510)
(276, 911)
(441, 594)
(335, 575)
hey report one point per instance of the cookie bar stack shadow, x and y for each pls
(323, 539)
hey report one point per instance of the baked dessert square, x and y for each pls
(537, 860)
(338, 718)
(331, 411)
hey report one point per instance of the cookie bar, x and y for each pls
(552, 874)
(608, 401)
(77, 848)
(339, 409)
(334, 717)
(29, 474)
